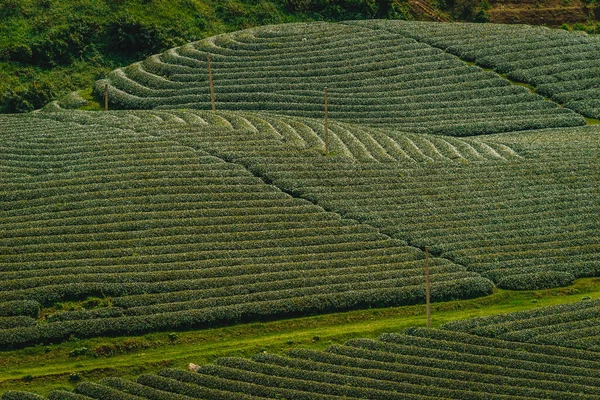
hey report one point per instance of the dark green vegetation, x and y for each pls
(130, 222)
(175, 238)
(519, 208)
(571, 325)
(375, 78)
(560, 65)
(49, 48)
(51, 367)
(415, 364)
(174, 218)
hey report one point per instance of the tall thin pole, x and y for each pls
(427, 289)
(326, 124)
(210, 82)
(106, 97)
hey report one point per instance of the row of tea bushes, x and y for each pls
(376, 77)
(418, 364)
(171, 237)
(573, 325)
(525, 214)
(561, 65)
(528, 222)
(355, 142)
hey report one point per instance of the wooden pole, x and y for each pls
(106, 97)
(326, 124)
(427, 289)
(210, 82)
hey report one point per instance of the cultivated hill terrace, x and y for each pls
(164, 215)
(189, 218)
(417, 364)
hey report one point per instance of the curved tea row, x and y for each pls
(110, 231)
(564, 66)
(572, 325)
(354, 142)
(527, 220)
(526, 223)
(417, 364)
(375, 78)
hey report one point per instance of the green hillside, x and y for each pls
(571, 325)
(171, 237)
(162, 217)
(415, 364)
(560, 65)
(374, 78)
(49, 48)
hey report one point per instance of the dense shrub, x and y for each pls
(536, 281)
(29, 98)
(18, 395)
(127, 35)
(20, 307)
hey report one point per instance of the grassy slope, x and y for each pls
(50, 366)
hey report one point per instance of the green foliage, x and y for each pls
(78, 352)
(216, 246)
(44, 38)
(467, 10)
(536, 281)
(136, 38)
(172, 337)
(561, 65)
(400, 87)
(14, 395)
(339, 9)
(15, 322)
(417, 364)
(572, 325)
(64, 395)
(20, 307)
(34, 96)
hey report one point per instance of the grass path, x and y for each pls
(48, 367)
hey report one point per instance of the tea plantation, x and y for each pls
(175, 238)
(519, 208)
(571, 325)
(375, 78)
(162, 215)
(416, 364)
(559, 64)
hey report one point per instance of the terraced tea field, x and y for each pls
(167, 216)
(416, 364)
(177, 238)
(521, 209)
(375, 78)
(559, 64)
(570, 325)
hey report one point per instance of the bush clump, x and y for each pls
(15, 308)
(536, 281)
